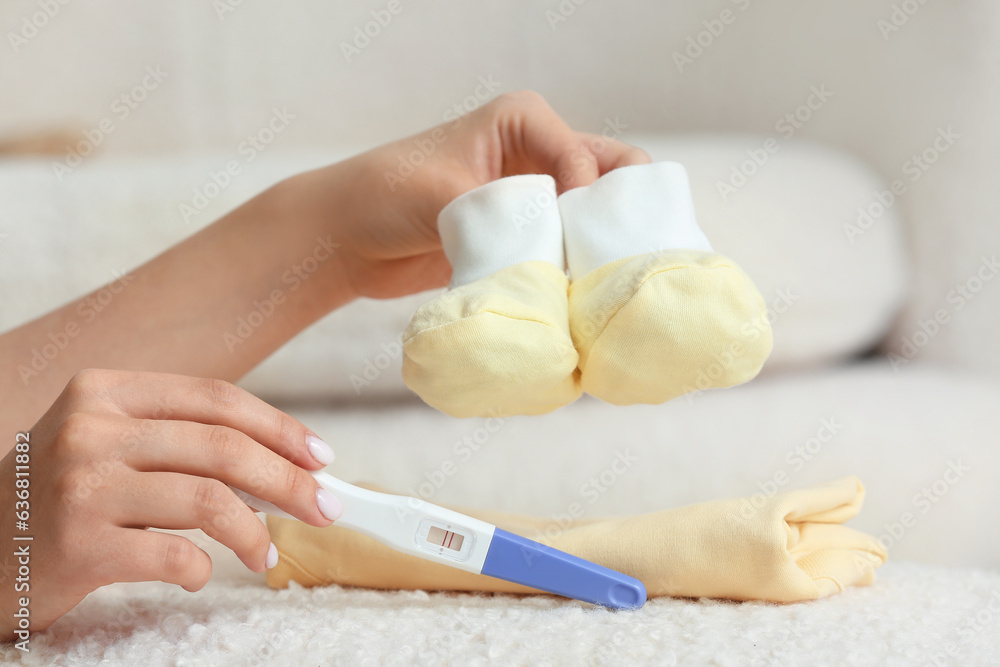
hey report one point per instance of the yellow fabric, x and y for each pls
(496, 347)
(653, 327)
(784, 548)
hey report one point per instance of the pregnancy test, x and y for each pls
(419, 528)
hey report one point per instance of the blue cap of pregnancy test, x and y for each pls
(523, 561)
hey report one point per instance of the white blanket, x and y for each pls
(913, 615)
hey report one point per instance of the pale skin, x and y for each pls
(135, 425)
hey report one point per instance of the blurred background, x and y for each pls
(846, 154)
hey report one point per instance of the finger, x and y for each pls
(226, 455)
(612, 153)
(208, 401)
(179, 502)
(146, 555)
(534, 139)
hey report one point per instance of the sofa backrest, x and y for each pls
(908, 86)
(827, 298)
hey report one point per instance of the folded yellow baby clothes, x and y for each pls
(784, 548)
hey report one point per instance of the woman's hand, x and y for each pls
(120, 452)
(383, 204)
(226, 298)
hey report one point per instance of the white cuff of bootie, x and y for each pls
(629, 211)
(508, 221)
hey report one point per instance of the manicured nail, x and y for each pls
(272, 556)
(319, 450)
(329, 506)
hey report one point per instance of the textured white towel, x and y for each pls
(915, 615)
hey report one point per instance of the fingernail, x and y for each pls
(329, 506)
(319, 450)
(272, 556)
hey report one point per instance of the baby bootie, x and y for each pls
(498, 342)
(654, 312)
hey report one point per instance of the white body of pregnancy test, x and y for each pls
(419, 528)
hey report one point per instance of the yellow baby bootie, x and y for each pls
(651, 326)
(498, 343)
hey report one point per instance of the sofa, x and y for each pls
(845, 155)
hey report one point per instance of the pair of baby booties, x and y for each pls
(647, 312)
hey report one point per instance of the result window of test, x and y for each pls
(443, 539)
(448, 539)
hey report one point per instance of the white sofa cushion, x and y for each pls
(832, 299)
